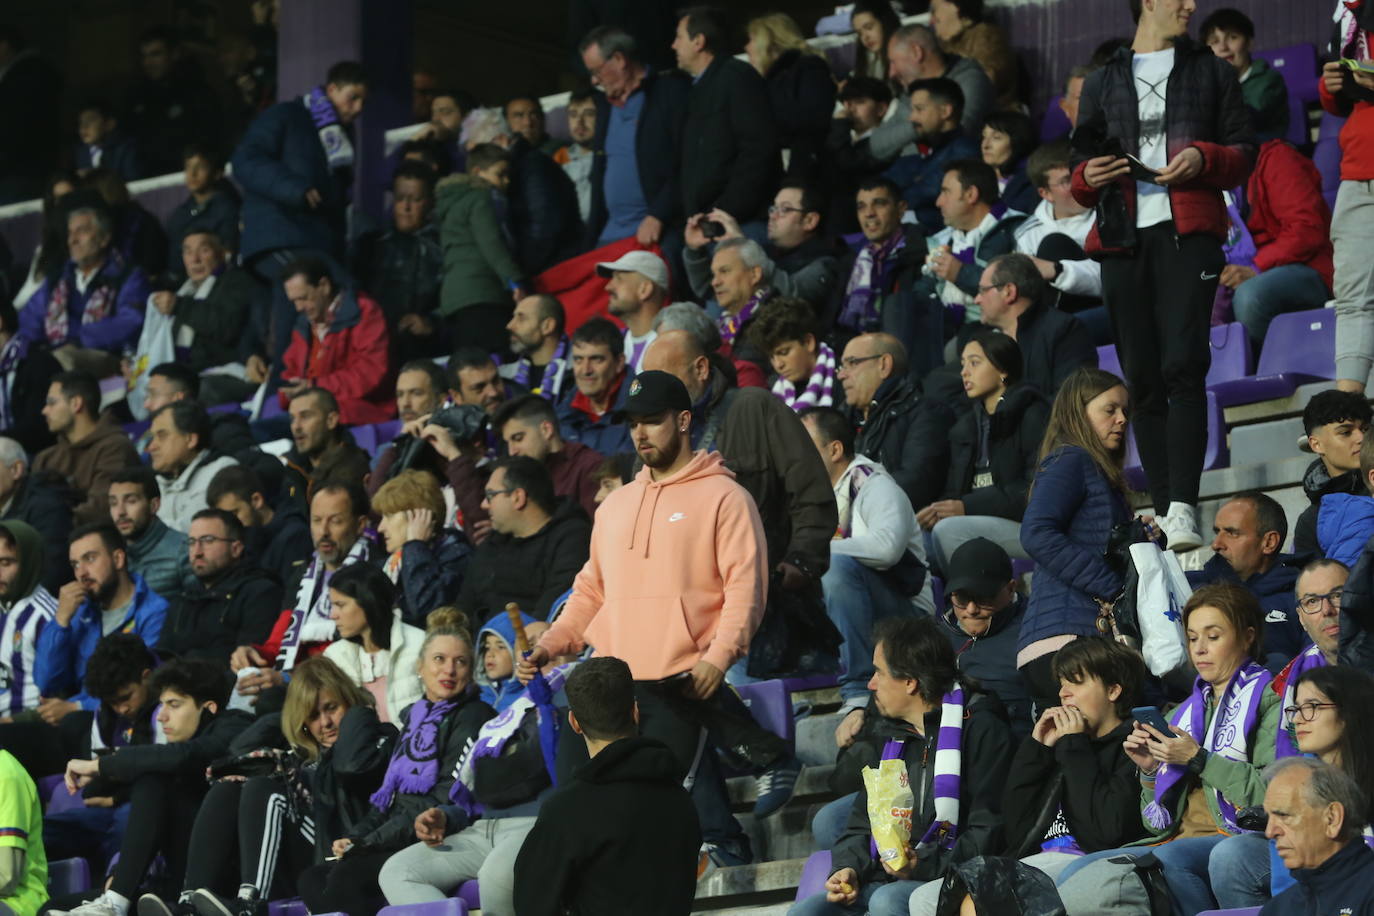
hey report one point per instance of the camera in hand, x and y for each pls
(465, 422)
(712, 228)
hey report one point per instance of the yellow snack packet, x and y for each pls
(889, 810)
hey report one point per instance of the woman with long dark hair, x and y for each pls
(375, 647)
(873, 21)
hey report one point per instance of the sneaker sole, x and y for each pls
(153, 905)
(206, 903)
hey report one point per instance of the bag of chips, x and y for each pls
(889, 810)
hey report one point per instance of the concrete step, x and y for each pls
(759, 884)
(1279, 407)
(1271, 439)
(816, 738)
(813, 783)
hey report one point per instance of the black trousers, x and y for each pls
(43, 749)
(275, 843)
(1160, 300)
(346, 886)
(162, 809)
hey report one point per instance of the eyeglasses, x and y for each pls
(1306, 711)
(849, 362)
(780, 210)
(963, 601)
(984, 289)
(1312, 604)
(492, 494)
(206, 540)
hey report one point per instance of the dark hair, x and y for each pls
(358, 503)
(832, 426)
(485, 155)
(1334, 406)
(1045, 159)
(550, 307)
(882, 11)
(522, 97)
(328, 403)
(1238, 605)
(109, 535)
(887, 184)
(75, 383)
(1269, 515)
(1352, 690)
(969, 9)
(1107, 661)
(239, 480)
(233, 528)
(9, 318)
(1018, 269)
(915, 648)
(117, 661)
(465, 100)
(211, 154)
(186, 380)
(99, 104)
(530, 408)
(434, 157)
(865, 87)
(347, 73)
(313, 269)
(190, 419)
(707, 21)
(601, 331)
(1320, 563)
(467, 357)
(977, 174)
(431, 369)
(523, 473)
(601, 694)
(416, 171)
(165, 34)
(1107, 49)
(781, 319)
(582, 94)
(376, 595)
(200, 679)
(1227, 20)
(1002, 351)
(944, 91)
(620, 466)
(142, 475)
(1018, 128)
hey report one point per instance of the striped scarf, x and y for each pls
(15, 350)
(730, 325)
(820, 388)
(338, 148)
(99, 304)
(1309, 658)
(866, 282)
(310, 620)
(943, 829)
(551, 382)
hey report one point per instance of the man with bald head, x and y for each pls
(904, 432)
(536, 336)
(770, 452)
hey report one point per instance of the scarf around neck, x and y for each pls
(1309, 658)
(551, 382)
(310, 620)
(338, 149)
(730, 324)
(414, 767)
(867, 281)
(1228, 734)
(943, 829)
(820, 387)
(13, 353)
(99, 304)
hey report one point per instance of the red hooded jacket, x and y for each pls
(351, 362)
(1289, 219)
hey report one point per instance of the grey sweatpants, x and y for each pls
(1352, 234)
(485, 851)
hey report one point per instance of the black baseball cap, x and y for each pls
(655, 392)
(979, 569)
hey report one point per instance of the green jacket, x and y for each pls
(478, 266)
(1266, 95)
(1241, 783)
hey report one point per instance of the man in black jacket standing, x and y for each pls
(591, 849)
(730, 146)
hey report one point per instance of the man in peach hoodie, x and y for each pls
(676, 586)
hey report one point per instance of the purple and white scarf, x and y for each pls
(99, 305)
(866, 282)
(414, 766)
(338, 149)
(1228, 735)
(943, 829)
(1309, 658)
(310, 620)
(820, 388)
(551, 382)
(730, 324)
(14, 351)
(858, 473)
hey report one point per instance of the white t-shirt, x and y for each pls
(1151, 82)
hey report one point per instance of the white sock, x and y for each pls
(118, 901)
(1177, 510)
(247, 892)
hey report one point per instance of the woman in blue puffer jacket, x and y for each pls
(1077, 496)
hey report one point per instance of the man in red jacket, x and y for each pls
(1290, 224)
(1161, 222)
(340, 344)
(1349, 93)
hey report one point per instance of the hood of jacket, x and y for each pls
(999, 884)
(105, 428)
(498, 627)
(1318, 482)
(703, 465)
(456, 187)
(30, 545)
(636, 759)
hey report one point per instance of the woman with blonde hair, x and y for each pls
(425, 558)
(282, 806)
(800, 89)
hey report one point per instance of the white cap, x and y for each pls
(647, 263)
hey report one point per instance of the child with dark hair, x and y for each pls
(165, 781)
(212, 205)
(102, 144)
(1335, 423)
(1231, 36)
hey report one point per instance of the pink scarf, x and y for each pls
(99, 305)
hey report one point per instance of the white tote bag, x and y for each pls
(156, 346)
(1161, 592)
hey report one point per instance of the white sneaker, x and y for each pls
(97, 907)
(1180, 525)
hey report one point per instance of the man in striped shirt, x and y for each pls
(25, 608)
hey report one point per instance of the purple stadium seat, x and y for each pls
(1326, 155)
(809, 682)
(1055, 123)
(137, 428)
(387, 431)
(71, 876)
(1298, 64)
(1020, 567)
(1108, 361)
(453, 906)
(231, 407)
(366, 438)
(61, 801)
(1301, 348)
(814, 873)
(271, 407)
(468, 894)
(771, 706)
(937, 588)
(841, 58)
(287, 906)
(47, 785)
(1230, 353)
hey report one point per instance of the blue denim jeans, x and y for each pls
(828, 823)
(856, 598)
(1238, 869)
(1290, 288)
(889, 899)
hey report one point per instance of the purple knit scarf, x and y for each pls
(338, 149)
(730, 324)
(867, 280)
(15, 349)
(414, 767)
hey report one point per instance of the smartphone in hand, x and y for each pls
(1151, 716)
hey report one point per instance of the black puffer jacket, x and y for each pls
(909, 435)
(348, 774)
(531, 571)
(1014, 435)
(211, 620)
(802, 94)
(730, 145)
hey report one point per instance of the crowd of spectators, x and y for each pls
(355, 562)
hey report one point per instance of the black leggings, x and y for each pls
(162, 809)
(275, 841)
(346, 886)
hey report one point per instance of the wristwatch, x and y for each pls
(1198, 761)
(1058, 270)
